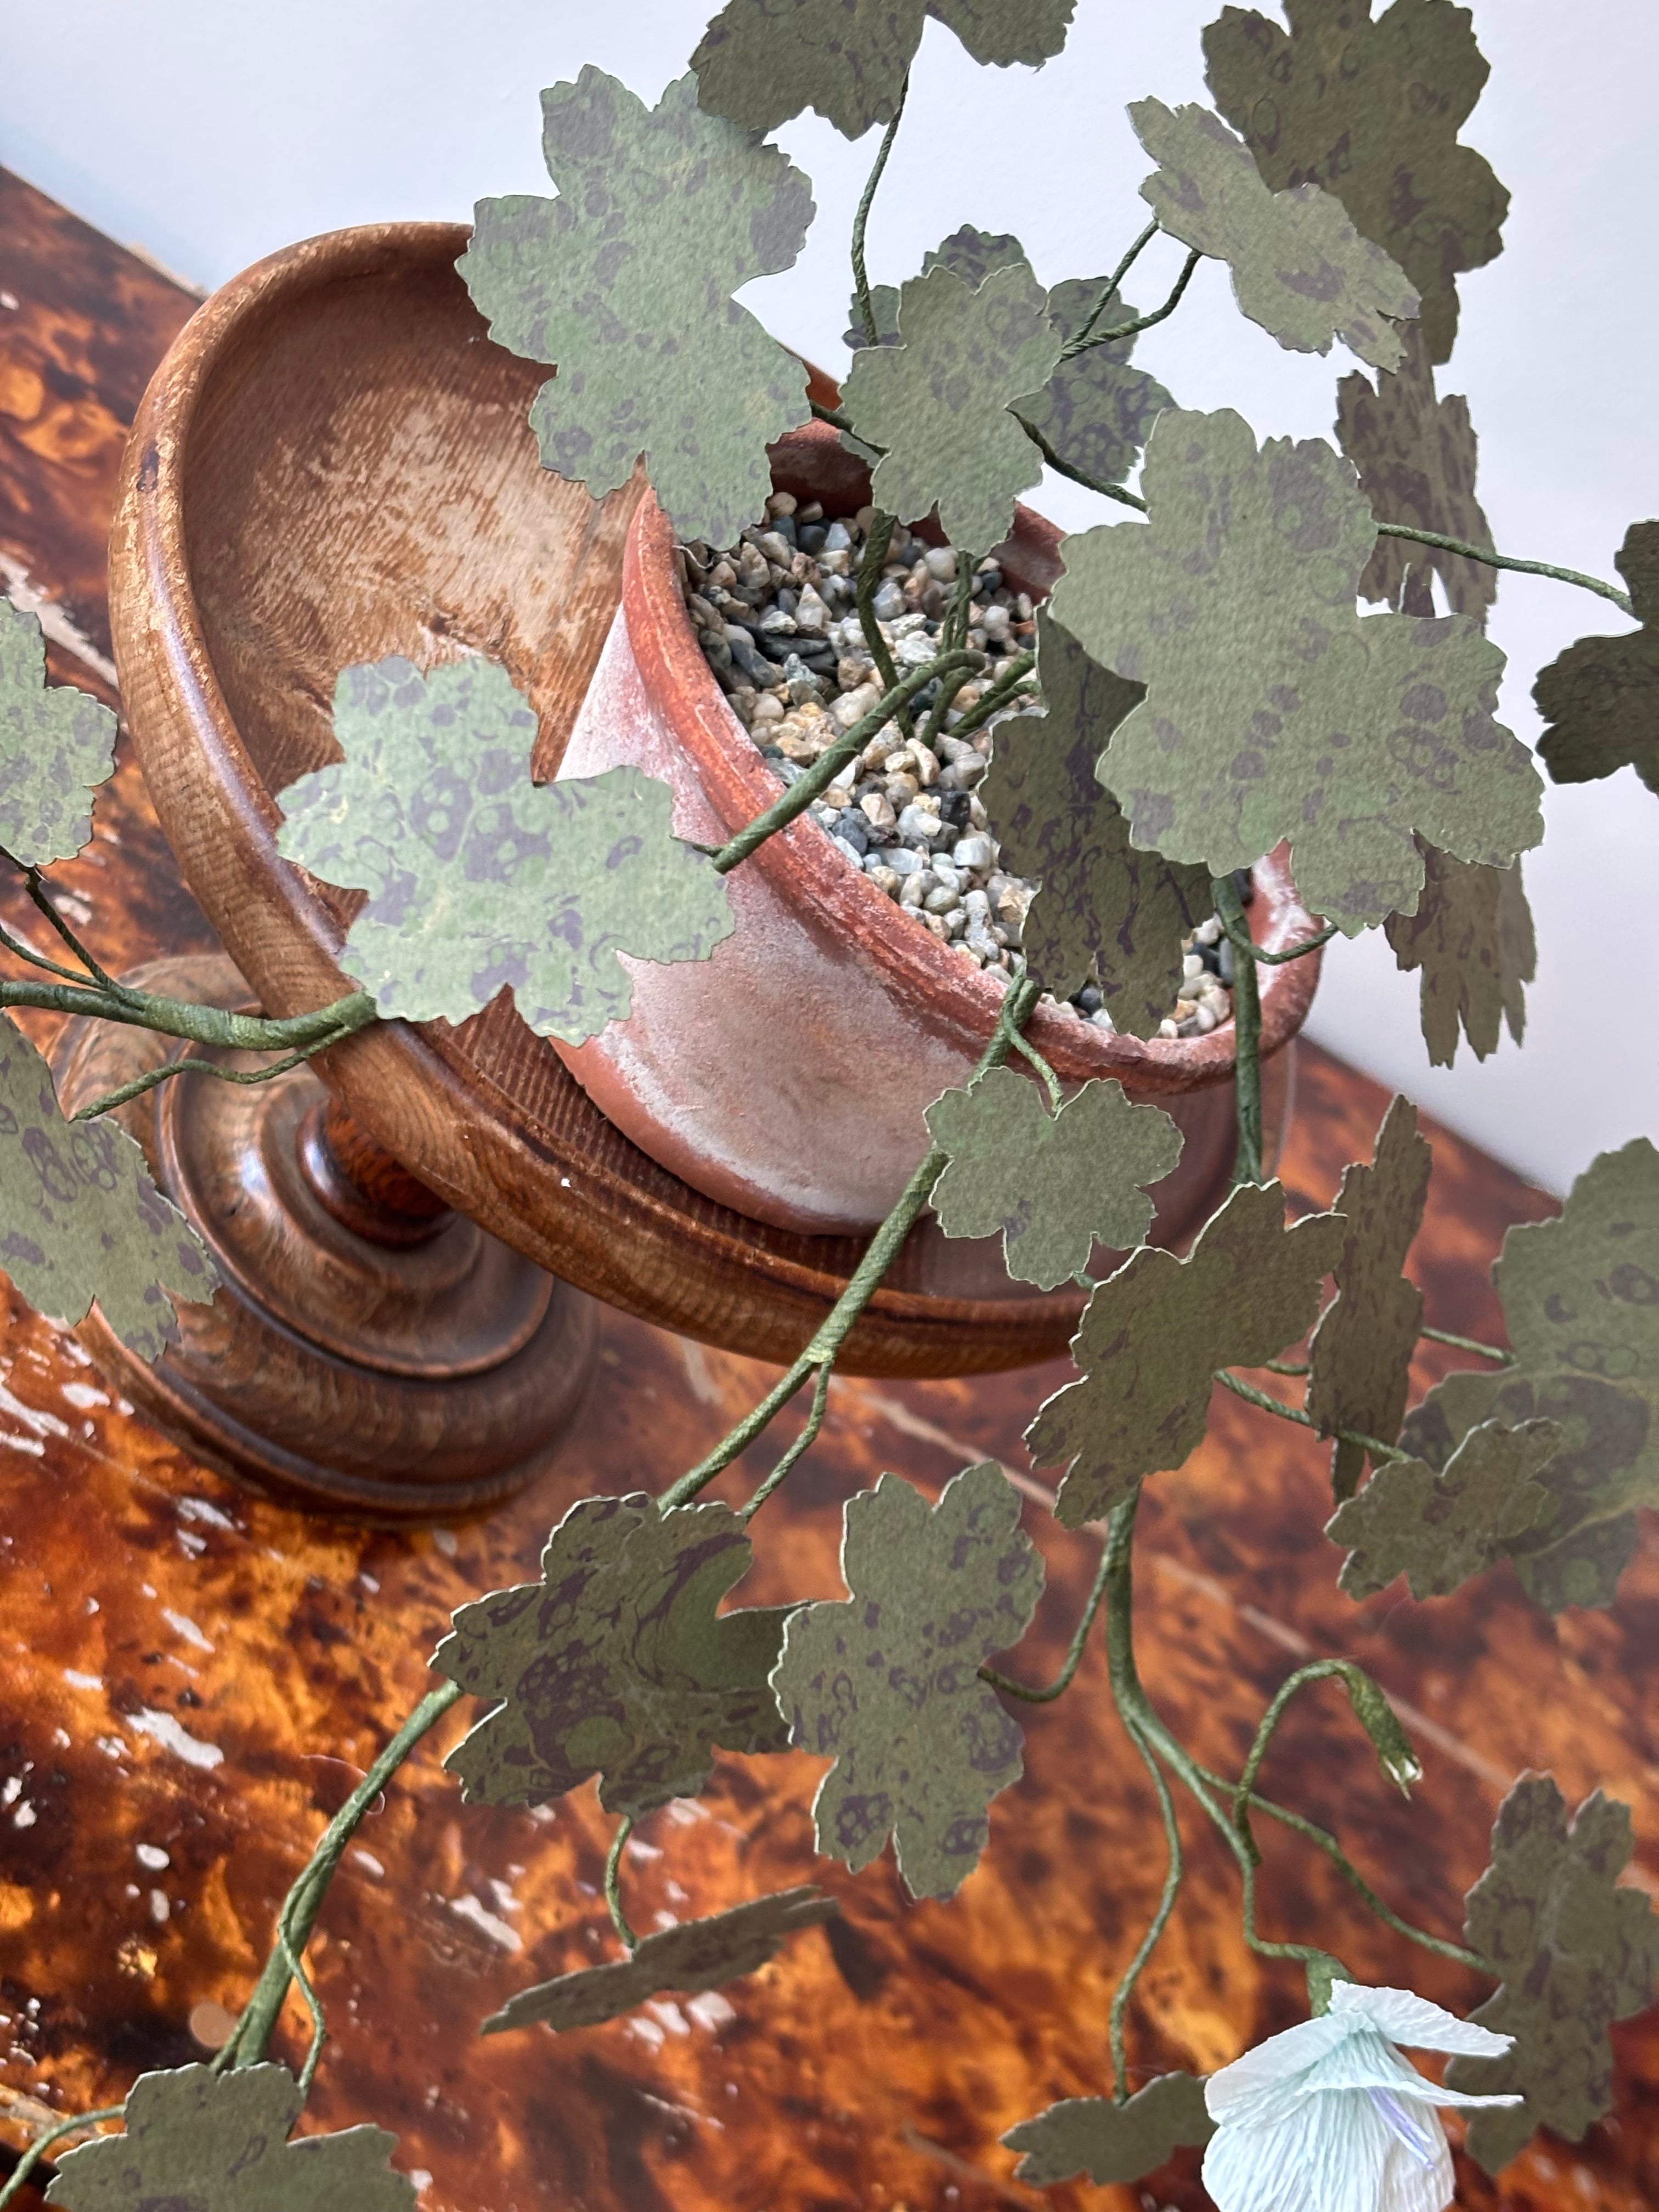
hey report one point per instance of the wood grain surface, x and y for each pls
(185, 1671)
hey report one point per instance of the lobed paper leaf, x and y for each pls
(696, 1955)
(1053, 1183)
(480, 880)
(1360, 1354)
(1154, 1332)
(887, 1682)
(1600, 697)
(80, 1217)
(1472, 936)
(761, 62)
(938, 401)
(617, 1661)
(1576, 1952)
(1300, 268)
(1272, 709)
(1105, 912)
(1416, 457)
(625, 283)
(972, 254)
(1438, 1530)
(196, 2141)
(56, 746)
(1112, 2142)
(1371, 113)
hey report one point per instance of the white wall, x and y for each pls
(209, 134)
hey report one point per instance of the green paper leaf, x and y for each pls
(1300, 268)
(1581, 1292)
(1576, 1952)
(480, 880)
(1272, 709)
(1371, 113)
(80, 1217)
(200, 2142)
(938, 401)
(763, 61)
(1052, 1183)
(625, 282)
(1154, 1332)
(887, 1682)
(1438, 1530)
(56, 746)
(696, 1955)
(1472, 936)
(1105, 912)
(1112, 2142)
(1416, 457)
(617, 1661)
(1600, 697)
(972, 254)
(1360, 1354)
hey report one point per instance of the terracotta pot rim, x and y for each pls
(933, 982)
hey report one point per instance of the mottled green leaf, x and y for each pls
(972, 254)
(1300, 268)
(1105, 912)
(196, 2141)
(938, 401)
(480, 880)
(1154, 1332)
(1576, 1952)
(625, 282)
(1053, 1183)
(1472, 936)
(1371, 113)
(1272, 709)
(1112, 2142)
(1581, 1292)
(1600, 697)
(80, 1217)
(1416, 457)
(56, 744)
(1438, 1530)
(697, 1954)
(762, 61)
(617, 1661)
(887, 1683)
(1361, 1351)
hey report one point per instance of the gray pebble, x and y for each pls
(973, 851)
(899, 858)
(889, 604)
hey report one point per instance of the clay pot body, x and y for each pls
(787, 1075)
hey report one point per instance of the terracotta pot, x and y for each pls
(787, 1077)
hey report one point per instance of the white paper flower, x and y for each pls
(1330, 2118)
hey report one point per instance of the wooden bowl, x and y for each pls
(333, 464)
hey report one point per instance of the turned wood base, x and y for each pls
(371, 1354)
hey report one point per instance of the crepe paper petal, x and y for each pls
(1053, 1183)
(1439, 1531)
(1360, 1354)
(681, 1961)
(220, 2142)
(1472, 938)
(625, 283)
(80, 1217)
(1416, 457)
(938, 401)
(761, 62)
(56, 744)
(1109, 2142)
(1575, 1950)
(1154, 1334)
(1300, 268)
(479, 880)
(617, 1661)
(886, 1683)
(1273, 710)
(1600, 697)
(1370, 112)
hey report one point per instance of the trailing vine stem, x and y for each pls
(37, 2150)
(872, 560)
(862, 1284)
(1010, 685)
(1087, 337)
(209, 1025)
(1175, 1868)
(866, 200)
(800, 1447)
(613, 1859)
(1109, 293)
(1268, 1404)
(1468, 1344)
(1493, 560)
(1074, 1651)
(1246, 1030)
